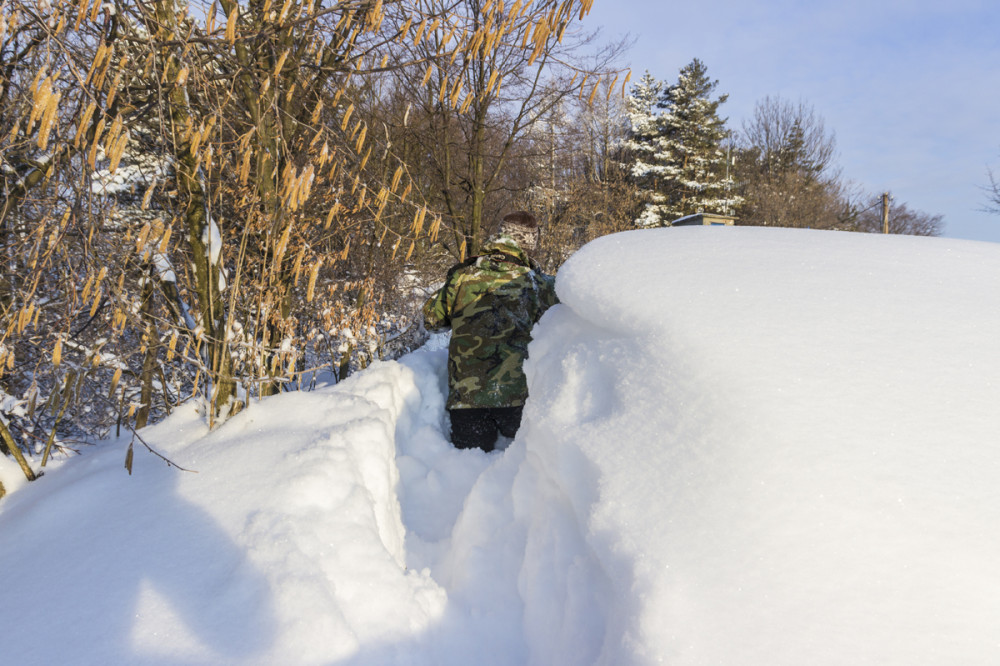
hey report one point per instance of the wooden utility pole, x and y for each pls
(885, 212)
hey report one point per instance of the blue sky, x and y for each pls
(911, 89)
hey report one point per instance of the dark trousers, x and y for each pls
(478, 426)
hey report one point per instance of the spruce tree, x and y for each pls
(694, 157)
(644, 149)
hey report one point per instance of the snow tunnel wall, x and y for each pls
(779, 444)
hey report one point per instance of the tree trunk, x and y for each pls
(8, 446)
(149, 359)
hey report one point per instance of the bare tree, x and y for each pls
(468, 119)
(579, 180)
(190, 195)
(902, 219)
(992, 194)
(785, 168)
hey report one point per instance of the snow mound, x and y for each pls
(793, 435)
(284, 546)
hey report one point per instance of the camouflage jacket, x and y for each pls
(491, 302)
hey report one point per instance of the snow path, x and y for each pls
(498, 535)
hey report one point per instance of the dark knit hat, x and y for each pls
(523, 228)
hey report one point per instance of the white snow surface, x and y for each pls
(742, 446)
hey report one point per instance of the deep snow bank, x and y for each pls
(285, 546)
(793, 437)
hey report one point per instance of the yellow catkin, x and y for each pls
(99, 80)
(305, 184)
(93, 148)
(40, 100)
(280, 64)
(279, 251)
(593, 92)
(114, 382)
(117, 150)
(347, 117)
(48, 120)
(140, 242)
(315, 114)
(172, 346)
(165, 241)
(375, 16)
(405, 29)
(196, 138)
(456, 90)
(418, 221)
(420, 33)
(409, 253)
(361, 139)
(102, 48)
(114, 85)
(96, 303)
(468, 102)
(448, 35)
(24, 317)
(148, 196)
(244, 172)
(284, 11)
(396, 177)
(297, 270)
(86, 288)
(84, 5)
(313, 275)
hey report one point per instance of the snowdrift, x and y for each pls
(742, 446)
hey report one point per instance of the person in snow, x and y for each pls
(491, 302)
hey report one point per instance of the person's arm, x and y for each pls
(549, 297)
(437, 309)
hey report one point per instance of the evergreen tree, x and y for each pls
(675, 147)
(644, 148)
(697, 177)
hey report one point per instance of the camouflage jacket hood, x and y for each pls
(490, 302)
